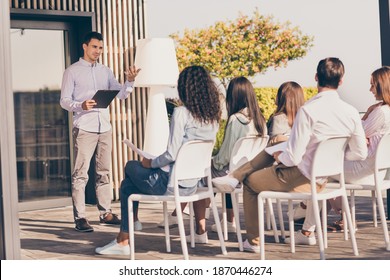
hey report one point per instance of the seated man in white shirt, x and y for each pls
(323, 116)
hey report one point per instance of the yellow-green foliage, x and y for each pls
(246, 46)
(266, 98)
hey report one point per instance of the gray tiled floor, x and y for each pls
(49, 234)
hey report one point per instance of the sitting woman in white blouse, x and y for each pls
(376, 123)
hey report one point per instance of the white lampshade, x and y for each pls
(156, 57)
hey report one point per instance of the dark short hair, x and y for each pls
(92, 35)
(330, 71)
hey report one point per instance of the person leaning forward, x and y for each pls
(91, 131)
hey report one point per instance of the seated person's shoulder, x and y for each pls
(240, 116)
(180, 111)
(279, 117)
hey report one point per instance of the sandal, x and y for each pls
(337, 226)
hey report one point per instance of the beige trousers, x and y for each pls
(259, 175)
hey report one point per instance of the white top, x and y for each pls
(375, 126)
(278, 125)
(80, 82)
(323, 116)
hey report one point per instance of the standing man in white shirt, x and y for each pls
(91, 127)
(323, 116)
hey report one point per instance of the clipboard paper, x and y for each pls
(143, 153)
(281, 147)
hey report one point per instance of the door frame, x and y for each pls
(77, 24)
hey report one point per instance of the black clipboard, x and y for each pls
(103, 98)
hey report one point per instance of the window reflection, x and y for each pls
(42, 137)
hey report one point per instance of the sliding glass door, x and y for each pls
(41, 125)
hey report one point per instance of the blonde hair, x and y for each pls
(381, 83)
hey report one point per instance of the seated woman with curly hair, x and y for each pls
(197, 119)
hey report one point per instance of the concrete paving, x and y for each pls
(50, 235)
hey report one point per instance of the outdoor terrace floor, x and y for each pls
(50, 235)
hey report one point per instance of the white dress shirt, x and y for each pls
(80, 82)
(323, 116)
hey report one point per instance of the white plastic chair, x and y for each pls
(193, 161)
(382, 163)
(245, 149)
(328, 161)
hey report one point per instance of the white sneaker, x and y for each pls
(226, 183)
(250, 248)
(113, 248)
(231, 227)
(172, 222)
(199, 238)
(137, 226)
(301, 239)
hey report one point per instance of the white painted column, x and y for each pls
(9, 181)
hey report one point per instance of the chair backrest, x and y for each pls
(329, 157)
(245, 149)
(382, 154)
(193, 160)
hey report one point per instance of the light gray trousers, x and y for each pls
(86, 144)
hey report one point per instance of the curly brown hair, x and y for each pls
(199, 94)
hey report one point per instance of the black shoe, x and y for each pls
(110, 219)
(82, 225)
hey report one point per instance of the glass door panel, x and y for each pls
(42, 127)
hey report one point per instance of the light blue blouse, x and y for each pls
(183, 128)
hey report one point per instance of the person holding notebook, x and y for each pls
(91, 132)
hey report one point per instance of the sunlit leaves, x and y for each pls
(242, 47)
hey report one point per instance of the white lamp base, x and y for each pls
(157, 125)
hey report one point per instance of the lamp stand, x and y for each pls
(157, 125)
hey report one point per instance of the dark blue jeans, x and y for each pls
(140, 180)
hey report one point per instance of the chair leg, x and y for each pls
(182, 231)
(237, 220)
(383, 219)
(320, 236)
(291, 226)
(374, 214)
(166, 227)
(280, 218)
(272, 218)
(192, 226)
(347, 212)
(325, 223)
(345, 225)
(268, 220)
(353, 208)
(224, 217)
(260, 210)
(131, 228)
(218, 224)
